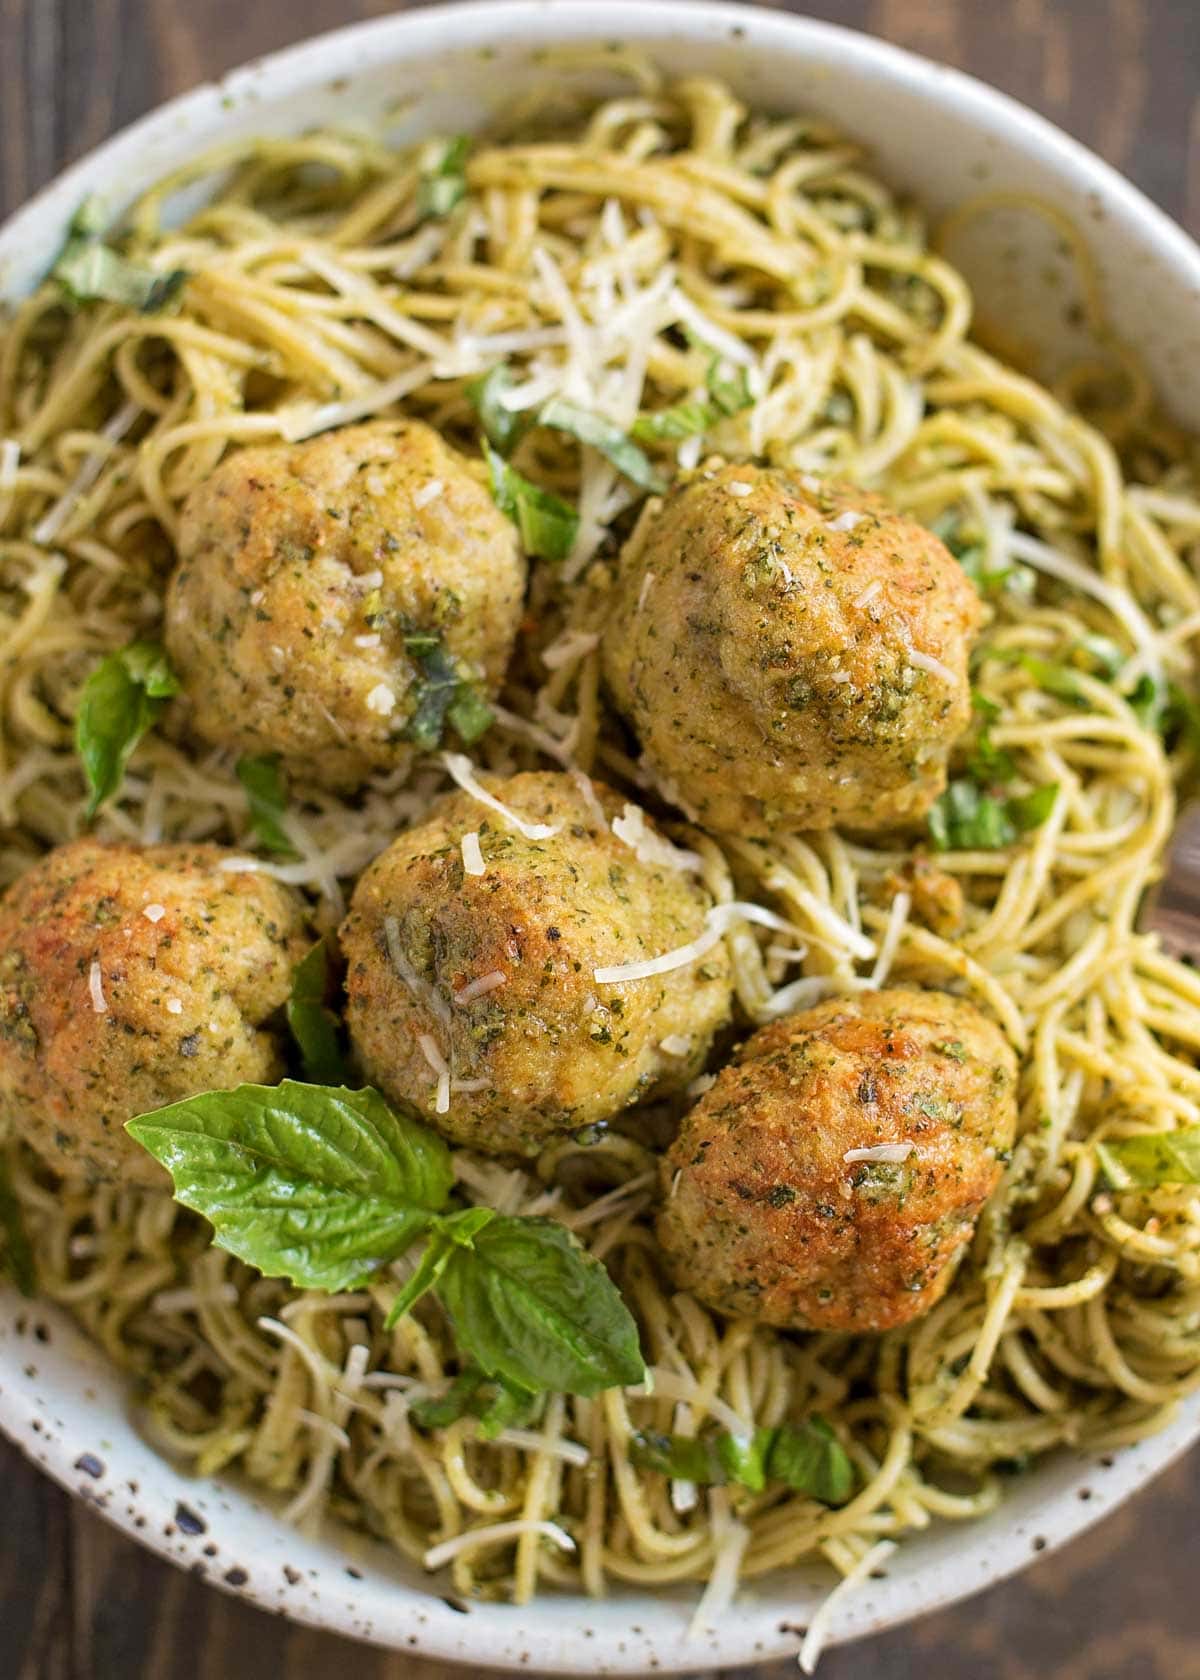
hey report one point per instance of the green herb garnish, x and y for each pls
(266, 796)
(966, 818)
(87, 269)
(326, 1186)
(604, 435)
(1151, 1158)
(121, 700)
(547, 524)
(807, 1457)
(313, 1024)
(442, 695)
(444, 184)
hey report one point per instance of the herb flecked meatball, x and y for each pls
(791, 658)
(342, 601)
(129, 979)
(832, 1175)
(494, 973)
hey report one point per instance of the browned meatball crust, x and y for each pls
(550, 1049)
(316, 581)
(770, 1214)
(130, 979)
(791, 654)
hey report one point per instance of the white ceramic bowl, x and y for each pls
(942, 137)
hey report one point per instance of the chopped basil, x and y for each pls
(121, 700)
(16, 1251)
(444, 184)
(326, 1186)
(87, 269)
(1151, 1158)
(442, 695)
(807, 1457)
(547, 524)
(598, 433)
(988, 764)
(966, 818)
(502, 427)
(686, 419)
(266, 797)
(474, 1394)
(313, 1024)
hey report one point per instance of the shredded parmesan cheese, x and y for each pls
(587, 792)
(373, 640)
(428, 493)
(869, 593)
(154, 912)
(644, 591)
(717, 923)
(463, 772)
(419, 987)
(496, 1534)
(174, 1006)
(889, 1152)
(926, 662)
(730, 1539)
(798, 994)
(818, 1628)
(53, 520)
(892, 935)
(10, 460)
(372, 580)
(739, 487)
(845, 521)
(676, 1044)
(96, 988)
(472, 854)
(479, 988)
(631, 828)
(703, 1082)
(381, 700)
(689, 452)
(439, 1065)
(571, 1452)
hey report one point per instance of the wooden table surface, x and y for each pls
(78, 1602)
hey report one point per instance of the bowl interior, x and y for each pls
(933, 133)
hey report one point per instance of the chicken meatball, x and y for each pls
(340, 602)
(792, 655)
(130, 979)
(832, 1175)
(493, 975)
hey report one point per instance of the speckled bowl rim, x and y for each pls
(61, 1401)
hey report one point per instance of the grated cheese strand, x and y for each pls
(479, 988)
(96, 988)
(417, 985)
(651, 847)
(889, 1152)
(819, 1627)
(463, 772)
(472, 854)
(892, 935)
(495, 1534)
(717, 923)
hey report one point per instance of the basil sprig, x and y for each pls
(266, 797)
(87, 269)
(121, 700)
(1151, 1158)
(807, 1457)
(325, 1186)
(16, 1251)
(966, 818)
(313, 1024)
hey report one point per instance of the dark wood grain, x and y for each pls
(77, 1602)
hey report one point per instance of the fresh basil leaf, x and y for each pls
(16, 1251)
(508, 1408)
(439, 1411)
(732, 395)
(970, 552)
(809, 1458)
(1102, 655)
(442, 695)
(87, 269)
(965, 818)
(598, 433)
(1030, 810)
(313, 1024)
(502, 427)
(685, 1458)
(534, 1310)
(547, 524)
(1151, 1158)
(1172, 712)
(473, 1394)
(266, 797)
(988, 764)
(316, 1184)
(745, 1461)
(121, 700)
(682, 420)
(444, 184)
(429, 1269)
